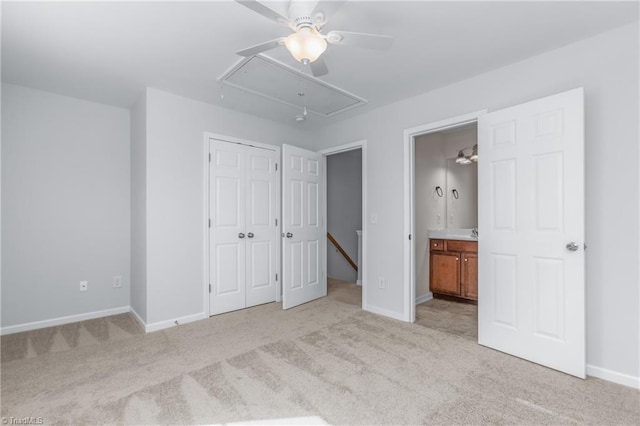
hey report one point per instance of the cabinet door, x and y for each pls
(470, 276)
(445, 273)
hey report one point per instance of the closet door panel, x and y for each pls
(262, 231)
(227, 211)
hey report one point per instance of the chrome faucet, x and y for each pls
(474, 233)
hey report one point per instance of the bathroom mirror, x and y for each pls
(461, 195)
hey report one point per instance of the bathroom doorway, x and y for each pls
(446, 221)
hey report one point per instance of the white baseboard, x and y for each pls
(384, 312)
(613, 376)
(160, 325)
(138, 318)
(359, 282)
(62, 320)
(424, 298)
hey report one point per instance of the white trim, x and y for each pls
(343, 148)
(360, 144)
(359, 282)
(206, 307)
(63, 320)
(138, 318)
(613, 376)
(375, 310)
(206, 297)
(224, 138)
(424, 298)
(409, 177)
(160, 325)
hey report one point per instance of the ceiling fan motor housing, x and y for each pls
(302, 22)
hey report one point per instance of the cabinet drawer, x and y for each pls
(461, 246)
(436, 244)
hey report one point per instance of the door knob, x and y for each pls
(241, 235)
(289, 235)
(250, 235)
(572, 246)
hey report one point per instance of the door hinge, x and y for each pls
(276, 277)
(209, 223)
(276, 167)
(409, 236)
(209, 157)
(276, 222)
(209, 288)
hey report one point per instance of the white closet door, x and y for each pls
(227, 247)
(304, 263)
(262, 231)
(531, 300)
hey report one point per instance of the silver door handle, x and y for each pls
(289, 235)
(572, 246)
(250, 235)
(241, 235)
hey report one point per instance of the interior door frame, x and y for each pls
(360, 144)
(205, 211)
(409, 200)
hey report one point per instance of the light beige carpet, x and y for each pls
(344, 291)
(326, 360)
(452, 317)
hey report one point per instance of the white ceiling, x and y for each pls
(108, 52)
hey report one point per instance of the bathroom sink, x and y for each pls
(452, 234)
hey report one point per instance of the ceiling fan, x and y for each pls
(306, 43)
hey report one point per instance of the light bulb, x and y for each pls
(306, 45)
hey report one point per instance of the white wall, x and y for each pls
(607, 67)
(139, 207)
(462, 212)
(175, 195)
(344, 211)
(65, 197)
(430, 171)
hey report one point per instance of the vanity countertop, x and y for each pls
(452, 234)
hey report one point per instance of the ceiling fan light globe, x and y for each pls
(306, 45)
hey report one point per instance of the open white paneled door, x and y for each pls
(531, 300)
(243, 233)
(304, 227)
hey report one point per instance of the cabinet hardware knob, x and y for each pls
(250, 235)
(241, 235)
(466, 260)
(457, 258)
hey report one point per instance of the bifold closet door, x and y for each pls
(243, 234)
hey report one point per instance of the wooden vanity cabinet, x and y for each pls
(445, 273)
(453, 268)
(469, 276)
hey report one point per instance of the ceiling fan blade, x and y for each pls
(265, 11)
(326, 8)
(367, 41)
(262, 47)
(319, 67)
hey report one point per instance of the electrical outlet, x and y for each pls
(381, 282)
(84, 285)
(117, 281)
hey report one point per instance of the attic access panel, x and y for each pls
(276, 81)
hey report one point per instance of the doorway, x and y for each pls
(531, 216)
(346, 233)
(446, 222)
